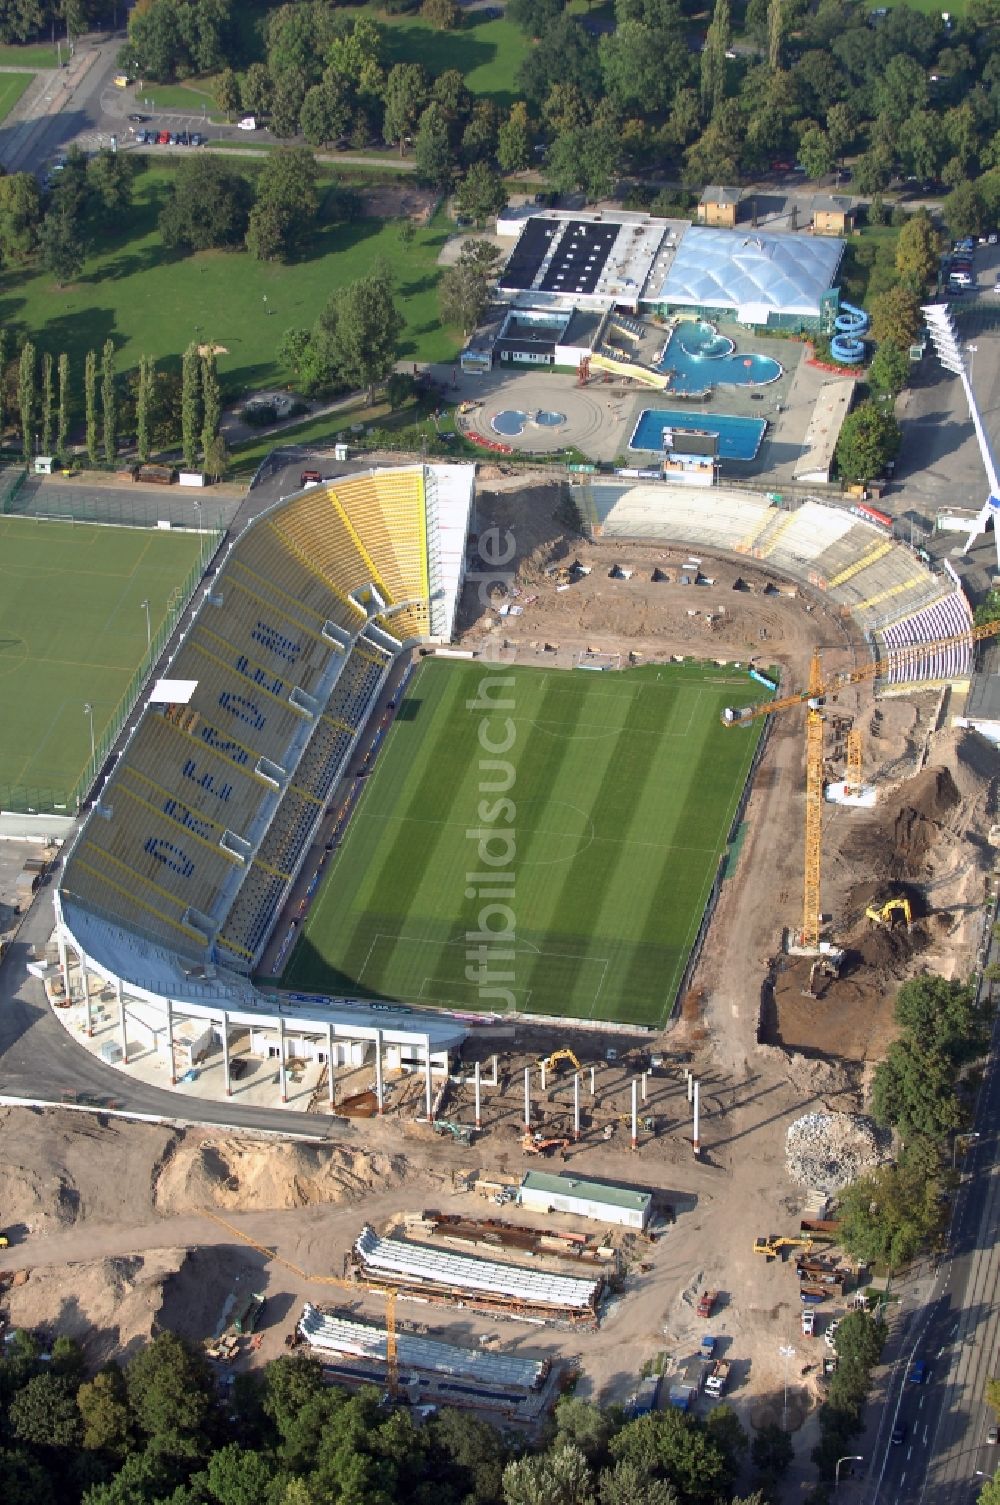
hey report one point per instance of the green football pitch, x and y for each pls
(622, 788)
(73, 633)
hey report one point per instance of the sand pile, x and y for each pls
(252, 1175)
(827, 1151)
(907, 827)
(115, 1302)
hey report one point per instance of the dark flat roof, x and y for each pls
(529, 253)
(580, 256)
(983, 702)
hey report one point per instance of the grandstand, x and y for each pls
(196, 837)
(894, 597)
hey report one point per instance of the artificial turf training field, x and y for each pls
(624, 789)
(73, 631)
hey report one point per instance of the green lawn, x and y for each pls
(622, 789)
(33, 58)
(72, 632)
(487, 53)
(12, 86)
(154, 301)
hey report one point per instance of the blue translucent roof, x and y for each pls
(751, 268)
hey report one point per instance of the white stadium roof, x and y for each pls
(750, 269)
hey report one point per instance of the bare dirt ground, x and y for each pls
(391, 200)
(83, 1197)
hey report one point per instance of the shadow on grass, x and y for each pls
(76, 333)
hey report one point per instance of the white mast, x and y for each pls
(941, 328)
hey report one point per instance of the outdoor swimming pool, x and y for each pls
(739, 438)
(698, 356)
(512, 421)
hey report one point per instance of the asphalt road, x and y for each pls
(945, 1455)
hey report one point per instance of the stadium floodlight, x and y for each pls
(941, 328)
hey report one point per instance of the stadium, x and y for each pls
(319, 638)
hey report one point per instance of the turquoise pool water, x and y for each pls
(698, 357)
(739, 438)
(512, 421)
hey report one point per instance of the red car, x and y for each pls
(781, 166)
(163, 139)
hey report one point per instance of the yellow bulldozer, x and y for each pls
(548, 1063)
(885, 914)
(771, 1246)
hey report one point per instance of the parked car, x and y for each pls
(781, 167)
(138, 119)
(182, 138)
(808, 1322)
(163, 138)
(991, 1437)
(248, 123)
(197, 139)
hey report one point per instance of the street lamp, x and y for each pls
(786, 1354)
(847, 1458)
(972, 349)
(88, 710)
(149, 630)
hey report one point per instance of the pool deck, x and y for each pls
(601, 417)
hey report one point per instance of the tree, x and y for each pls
(20, 215)
(713, 58)
(109, 402)
(405, 97)
(443, 15)
(775, 33)
(211, 400)
(917, 251)
(256, 90)
(111, 178)
(993, 1396)
(676, 1447)
(816, 153)
(772, 1453)
(873, 170)
(514, 141)
(533, 16)
(90, 403)
(228, 94)
(364, 327)
(286, 104)
(62, 421)
(25, 1481)
(628, 1484)
(635, 71)
(588, 159)
(896, 316)
(237, 1476)
(913, 1090)
(890, 370)
(889, 1215)
(559, 1477)
(565, 53)
(3, 380)
(104, 1412)
(190, 404)
(940, 1014)
(325, 114)
(287, 204)
(868, 438)
(962, 210)
(47, 395)
(584, 1425)
(168, 1391)
(208, 205)
(143, 404)
(433, 151)
(26, 397)
(481, 194)
(990, 1492)
(44, 1412)
(216, 457)
(60, 245)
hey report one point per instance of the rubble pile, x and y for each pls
(826, 1151)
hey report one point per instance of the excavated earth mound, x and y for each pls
(250, 1176)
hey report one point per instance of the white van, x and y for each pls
(248, 123)
(960, 279)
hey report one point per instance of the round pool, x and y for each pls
(509, 423)
(549, 420)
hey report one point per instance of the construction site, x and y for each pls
(579, 1192)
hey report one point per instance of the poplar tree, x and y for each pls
(109, 402)
(90, 403)
(26, 396)
(3, 377)
(62, 421)
(190, 404)
(211, 400)
(147, 376)
(47, 396)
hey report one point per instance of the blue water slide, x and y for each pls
(847, 346)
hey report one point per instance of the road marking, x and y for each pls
(925, 1434)
(902, 1478)
(909, 1452)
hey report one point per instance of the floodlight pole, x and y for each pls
(944, 338)
(88, 710)
(149, 630)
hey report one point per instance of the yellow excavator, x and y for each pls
(884, 915)
(550, 1062)
(771, 1246)
(539, 1146)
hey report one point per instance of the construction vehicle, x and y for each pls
(827, 964)
(813, 698)
(772, 1246)
(535, 1145)
(462, 1132)
(391, 1351)
(707, 1349)
(884, 915)
(706, 1303)
(684, 1387)
(550, 1062)
(717, 1378)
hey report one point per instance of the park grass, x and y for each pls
(73, 631)
(624, 787)
(488, 54)
(152, 300)
(33, 59)
(12, 86)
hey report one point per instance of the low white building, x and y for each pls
(542, 1192)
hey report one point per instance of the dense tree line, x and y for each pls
(28, 20)
(172, 39)
(155, 1432)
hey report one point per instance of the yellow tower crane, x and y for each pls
(852, 779)
(391, 1355)
(813, 698)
